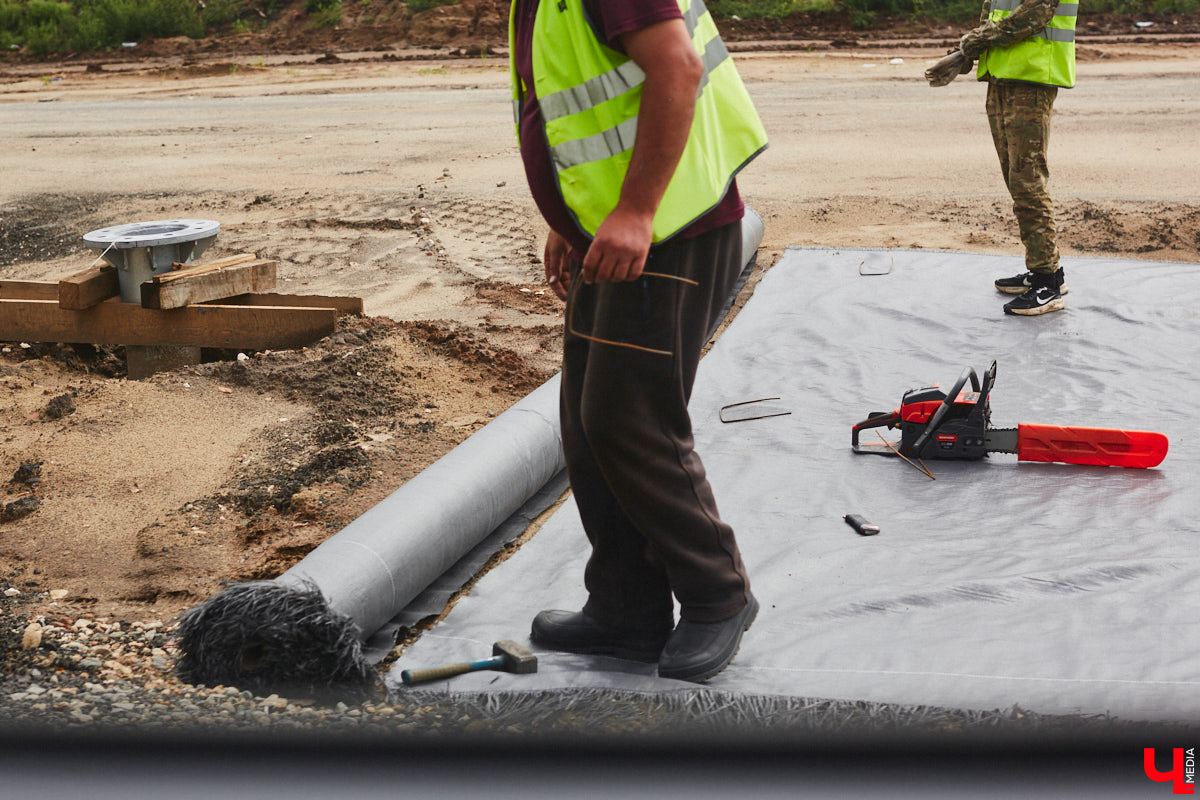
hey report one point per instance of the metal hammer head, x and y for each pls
(518, 659)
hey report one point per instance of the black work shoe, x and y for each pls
(576, 632)
(1019, 284)
(697, 651)
(1041, 297)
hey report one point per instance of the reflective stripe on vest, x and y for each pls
(622, 78)
(590, 102)
(1046, 57)
(619, 138)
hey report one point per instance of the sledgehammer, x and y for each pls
(507, 655)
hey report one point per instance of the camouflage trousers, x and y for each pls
(1019, 115)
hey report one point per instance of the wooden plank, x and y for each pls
(28, 290)
(243, 327)
(89, 287)
(184, 271)
(187, 287)
(344, 305)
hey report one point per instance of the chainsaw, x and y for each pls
(956, 424)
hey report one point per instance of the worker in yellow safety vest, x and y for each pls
(633, 123)
(1025, 51)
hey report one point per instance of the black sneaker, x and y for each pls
(1019, 284)
(1041, 297)
(576, 632)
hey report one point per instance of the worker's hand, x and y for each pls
(557, 260)
(948, 68)
(618, 252)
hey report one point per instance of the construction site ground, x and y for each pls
(394, 176)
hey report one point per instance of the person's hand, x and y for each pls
(618, 251)
(557, 260)
(948, 68)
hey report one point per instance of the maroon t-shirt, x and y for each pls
(612, 18)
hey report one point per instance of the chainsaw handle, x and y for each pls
(967, 374)
(877, 419)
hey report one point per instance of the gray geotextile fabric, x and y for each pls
(1061, 589)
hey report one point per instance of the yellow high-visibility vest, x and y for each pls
(1047, 57)
(589, 96)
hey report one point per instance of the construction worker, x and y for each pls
(1025, 51)
(633, 122)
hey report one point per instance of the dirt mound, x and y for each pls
(474, 26)
(280, 449)
(33, 232)
(506, 370)
(470, 23)
(841, 30)
(480, 27)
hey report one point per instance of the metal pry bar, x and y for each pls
(721, 413)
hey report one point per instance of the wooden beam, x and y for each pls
(243, 327)
(89, 287)
(28, 290)
(344, 305)
(210, 282)
(181, 271)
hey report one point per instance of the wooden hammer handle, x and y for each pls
(411, 676)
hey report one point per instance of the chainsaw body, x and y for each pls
(937, 424)
(955, 424)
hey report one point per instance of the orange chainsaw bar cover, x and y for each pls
(1106, 447)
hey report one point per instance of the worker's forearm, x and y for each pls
(664, 124)
(1029, 18)
(673, 71)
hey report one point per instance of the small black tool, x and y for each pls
(860, 525)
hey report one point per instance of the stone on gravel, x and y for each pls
(59, 407)
(32, 636)
(21, 507)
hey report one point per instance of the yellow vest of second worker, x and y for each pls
(589, 96)
(1047, 57)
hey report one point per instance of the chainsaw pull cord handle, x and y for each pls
(877, 419)
(967, 374)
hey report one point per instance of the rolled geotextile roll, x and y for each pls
(303, 631)
(379, 562)
(373, 567)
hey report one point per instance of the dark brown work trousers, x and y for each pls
(645, 502)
